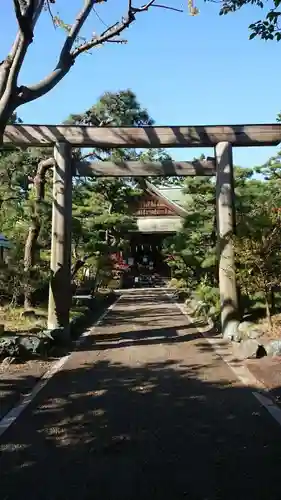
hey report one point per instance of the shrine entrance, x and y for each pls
(65, 137)
(146, 254)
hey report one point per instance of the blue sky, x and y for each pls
(185, 70)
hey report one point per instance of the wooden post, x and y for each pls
(225, 230)
(60, 285)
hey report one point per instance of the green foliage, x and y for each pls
(17, 170)
(267, 28)
(271, 170)
(191, 253)
(208, 299)
(11, 283)
(258, 252)
(180, 284)
(117, 109)
(102, 222)
(193, 248)
(121, 109)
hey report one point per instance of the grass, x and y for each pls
(14, 322)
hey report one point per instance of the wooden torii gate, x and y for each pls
(63, 137)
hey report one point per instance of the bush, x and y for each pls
(14, 282)
(180, 284)
(11, 282)
(208, 299)
(25, 346)
(10, 347)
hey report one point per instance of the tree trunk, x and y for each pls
(5, 118)
(29, 258)
(107, 235)
(34, 229)
(272, 301)
(268, 312)
(27, 14)
(96, 283)
(239, 295)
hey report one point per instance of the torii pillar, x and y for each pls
(60, 284)
(225, 231)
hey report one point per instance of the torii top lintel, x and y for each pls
(143, 137)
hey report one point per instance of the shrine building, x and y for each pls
(159, 213)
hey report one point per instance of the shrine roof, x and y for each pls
(175, 196)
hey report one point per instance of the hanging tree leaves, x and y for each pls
(268, 28)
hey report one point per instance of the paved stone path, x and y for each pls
(143, 410)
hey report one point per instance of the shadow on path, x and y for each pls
(120, 426)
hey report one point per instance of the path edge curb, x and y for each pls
(7, 420)
(259, 390)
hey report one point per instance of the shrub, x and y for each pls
(208, 298)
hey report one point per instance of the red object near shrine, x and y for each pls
(118, 261)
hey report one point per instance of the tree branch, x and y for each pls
(76, 28)
(40, 177)
(166, 7)
(92, 154)
(143, 8)
(66, 60)
(114, 30)
(25, 19)
(8, 82)
(67, 56)
(13, 68)
(6, 64)
(80, 263)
